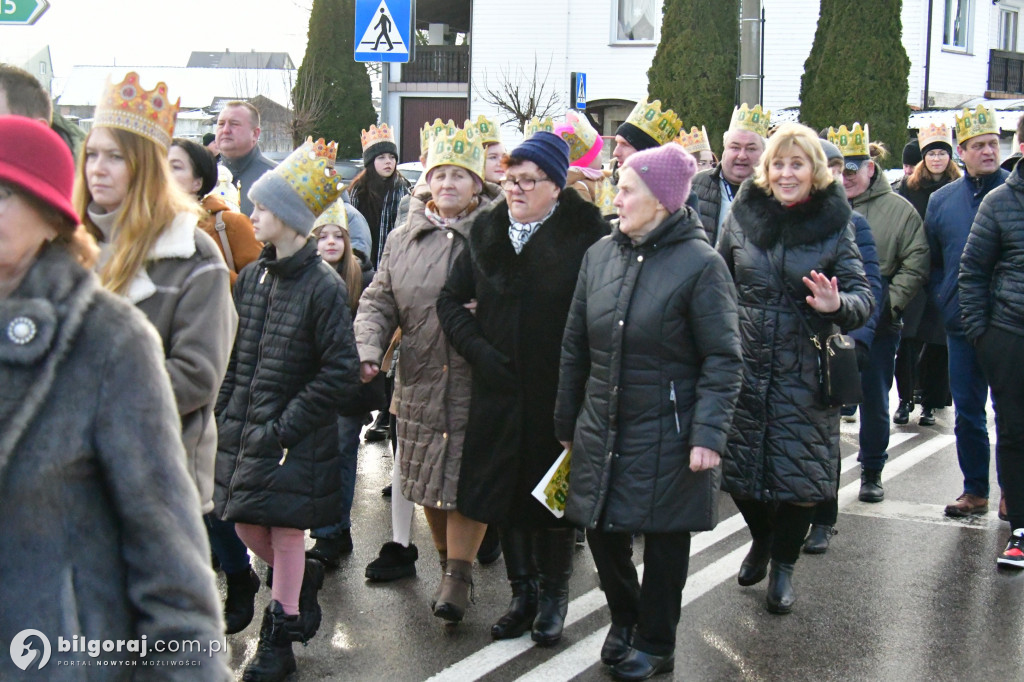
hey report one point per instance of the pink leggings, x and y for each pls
(285, 550)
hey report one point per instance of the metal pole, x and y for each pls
(928, 55)
(750, 52)
(385, 75)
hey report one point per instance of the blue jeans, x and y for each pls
(875, 383)
(348, 440)
(970, 392)
(229, 550)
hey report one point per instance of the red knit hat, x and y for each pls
(34, 159)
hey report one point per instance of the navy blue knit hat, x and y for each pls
(549, 151)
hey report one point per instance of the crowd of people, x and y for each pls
(200, 316)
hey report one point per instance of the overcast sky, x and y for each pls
(126, 32)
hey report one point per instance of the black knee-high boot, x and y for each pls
(517, 546)
(760, 519)
(553, 548)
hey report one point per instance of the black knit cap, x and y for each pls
(636, 137)
(938, 144)
(912, 153)
(378, 148)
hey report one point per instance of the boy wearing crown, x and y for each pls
(951, 212)
(991, 286)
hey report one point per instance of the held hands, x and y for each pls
(367, 371)
(702, 458)
(824, 296)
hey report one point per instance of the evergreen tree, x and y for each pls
(694, 68)
(858, 70)
(331, 98)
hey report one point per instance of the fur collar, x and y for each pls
(767, 223)
(177, 241)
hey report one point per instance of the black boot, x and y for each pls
(553, 549)
(238, 605)
(378, 431)
(274, 659)
(871, 489)
(817, 540)
(780, 588)
(755, 565)
(902, 415)
(490, 548)
(329, 551)
(309, 606)
(927, 417)
(517, 546)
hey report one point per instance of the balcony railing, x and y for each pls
(1006, 72)
(438, 64)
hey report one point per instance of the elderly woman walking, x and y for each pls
(650, 368)
(789, 245)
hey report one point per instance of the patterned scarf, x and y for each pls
(437, 220)
(520, 233)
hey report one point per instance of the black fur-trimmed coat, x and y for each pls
(783, 443)
(522, 305)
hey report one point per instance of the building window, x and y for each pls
(42, 68)
(958, 24)
(635, 21)
(1008, 30)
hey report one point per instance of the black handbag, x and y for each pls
(838, 374)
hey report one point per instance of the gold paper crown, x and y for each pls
(979, 122)
(547, 124)
(581, 139)
(695, 141)
(934, 132)
(452, 146)
(376, 134)
(309, 171)
(148, 113)
(853, 142)
(333, 215)
(488, 131)
(756, 120)
(663, 126)
(434, 128)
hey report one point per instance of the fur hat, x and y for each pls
(667, 171)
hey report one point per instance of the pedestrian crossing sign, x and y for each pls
(578, 90)
(383, 30)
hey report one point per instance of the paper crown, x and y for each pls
(584, 142)
(225, 189)
(433, 129)
(663, 126)
(536, 125)
(756, 120)
(487, 130)
(309, 171)
(979, 122)
(333, 215)
(695, 141)
(148, 113)
(449, 145)
(853, 142)
(934, 132)
(376, 135)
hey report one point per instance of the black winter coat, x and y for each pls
(522, 304)
(783, 443)
(708, 187)
(991, 281)
(293, 366)
(635, 397)
(922, 319)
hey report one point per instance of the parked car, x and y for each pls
(411, 171)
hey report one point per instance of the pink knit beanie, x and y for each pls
(667, 171)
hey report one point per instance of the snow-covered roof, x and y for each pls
(197, 87)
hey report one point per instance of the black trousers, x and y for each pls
(654, 606)
(925, 366)
(786, 524)
(1000, 355)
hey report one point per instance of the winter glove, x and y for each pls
(263, 442)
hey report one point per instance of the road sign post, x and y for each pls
(578, 90)
(384, 30)
(22, 12)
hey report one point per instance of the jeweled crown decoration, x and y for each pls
(309, 170)
(756, 120)
(333, 215)
(695, 141)
(127, 106)
(432, 129)
(582, 138)
(449, 145)
(935, 132)
(970, 124)
(536, 125)
(375, 134)
(662, 125)
(489, 133)
(853, 141)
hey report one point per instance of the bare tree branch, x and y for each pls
(520, 97)
(309, 103)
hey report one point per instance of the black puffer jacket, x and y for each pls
(293, 366)
(708, 187)
(782, 439)
(650, 368)
(991, 279)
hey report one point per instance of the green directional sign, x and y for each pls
(22, 12)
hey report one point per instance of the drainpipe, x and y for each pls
(928, 55)
(750, 53)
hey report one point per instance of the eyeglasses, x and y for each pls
(937, 154)
(525, 184)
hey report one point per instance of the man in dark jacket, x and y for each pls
(743, 145)
(238, 135)
(991, 286)
(951, 211)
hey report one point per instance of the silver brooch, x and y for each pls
(21, 330)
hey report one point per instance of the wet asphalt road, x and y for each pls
(903, 594)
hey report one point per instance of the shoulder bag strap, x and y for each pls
(811, 334)
(225, 244)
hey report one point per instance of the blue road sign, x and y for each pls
(383, 30)
(578, 87)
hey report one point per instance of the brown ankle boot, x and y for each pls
(442, 558)
(456, 590)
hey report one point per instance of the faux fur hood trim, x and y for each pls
(177, 241)
(767, 223)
